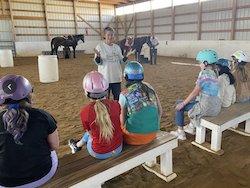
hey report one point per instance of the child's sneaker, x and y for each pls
(72, 145)
(180, 134)
(189, 129)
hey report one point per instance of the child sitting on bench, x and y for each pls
(241, 75)
(101, 119)
(140, 107)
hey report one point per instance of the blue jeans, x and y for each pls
(243, 100)
(179, 115)
(86, 139)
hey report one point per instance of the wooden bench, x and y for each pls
(228, 118)
(83, 171)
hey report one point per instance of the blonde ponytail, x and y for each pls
(103, 121)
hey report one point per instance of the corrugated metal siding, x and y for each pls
(243, 2)
(6, 32)
(187, 36)
(186, 18)
(186, 8)
(218, 4)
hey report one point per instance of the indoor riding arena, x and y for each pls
(183, 28)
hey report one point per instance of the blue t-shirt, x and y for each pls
(208, 82)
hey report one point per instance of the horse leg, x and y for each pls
(56, 48)
(74, 49)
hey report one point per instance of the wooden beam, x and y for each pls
(88, 23)
(110, 21)
(151, 17)
(100, 19)
(3, 7)
(172, 23)
(75, 16)
(135, 32)
(46, 18)
(125, 25)
(130, 24)
(4, 16)
(116, 29)
(12, 20)
(233, 19)
(199, 21)
(121, 24)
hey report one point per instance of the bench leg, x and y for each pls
(166, 163)
(151, 162)
(247, 126)
(200, 134)
(216, 140)
(165, 169)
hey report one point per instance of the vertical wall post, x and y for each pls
(100, 19)
(151, 16)
(233, 19)
(46, 18)
(135, 32)
(12, 20)
(125, 23)
(199, 21)
(3, 8)
(116, 26)
(172, 23)
(75, 14)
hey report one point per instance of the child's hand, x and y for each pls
(178, 107)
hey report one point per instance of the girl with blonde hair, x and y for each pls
(101, 120)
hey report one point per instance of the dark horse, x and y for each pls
(138, 42)
(58, 41)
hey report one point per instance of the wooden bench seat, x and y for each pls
(82, 170)
(228, 118)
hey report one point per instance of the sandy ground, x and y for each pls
(194, 167)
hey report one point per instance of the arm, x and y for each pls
(222, 88)
(98, 60)
(123, 115)
(191, 96)
(122, 61)
(53, 140)
(159, 107)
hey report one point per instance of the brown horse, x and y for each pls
(138, 42)
(60, 41)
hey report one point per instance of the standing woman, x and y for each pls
(28, 137)
(109, 58)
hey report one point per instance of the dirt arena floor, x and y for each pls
(195, 168)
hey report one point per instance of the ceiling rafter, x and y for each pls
(114, 2)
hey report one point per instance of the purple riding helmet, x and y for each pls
(14, 87)
(95, 85)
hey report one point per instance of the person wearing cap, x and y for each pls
(153, 50)
(28, 137)
(101, 120)
(140, 107)
(203, 100)
(227, 92)
(241, 75)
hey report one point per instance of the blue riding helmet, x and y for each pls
(133, 71)
(210, 56)
(224, 62)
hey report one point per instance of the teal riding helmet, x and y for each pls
(133, 71)
(210, 56)
(224, 62)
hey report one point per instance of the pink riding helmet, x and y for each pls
(95, 85)
(14, 87)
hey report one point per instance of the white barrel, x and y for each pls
(48, 68)
(6, 58)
